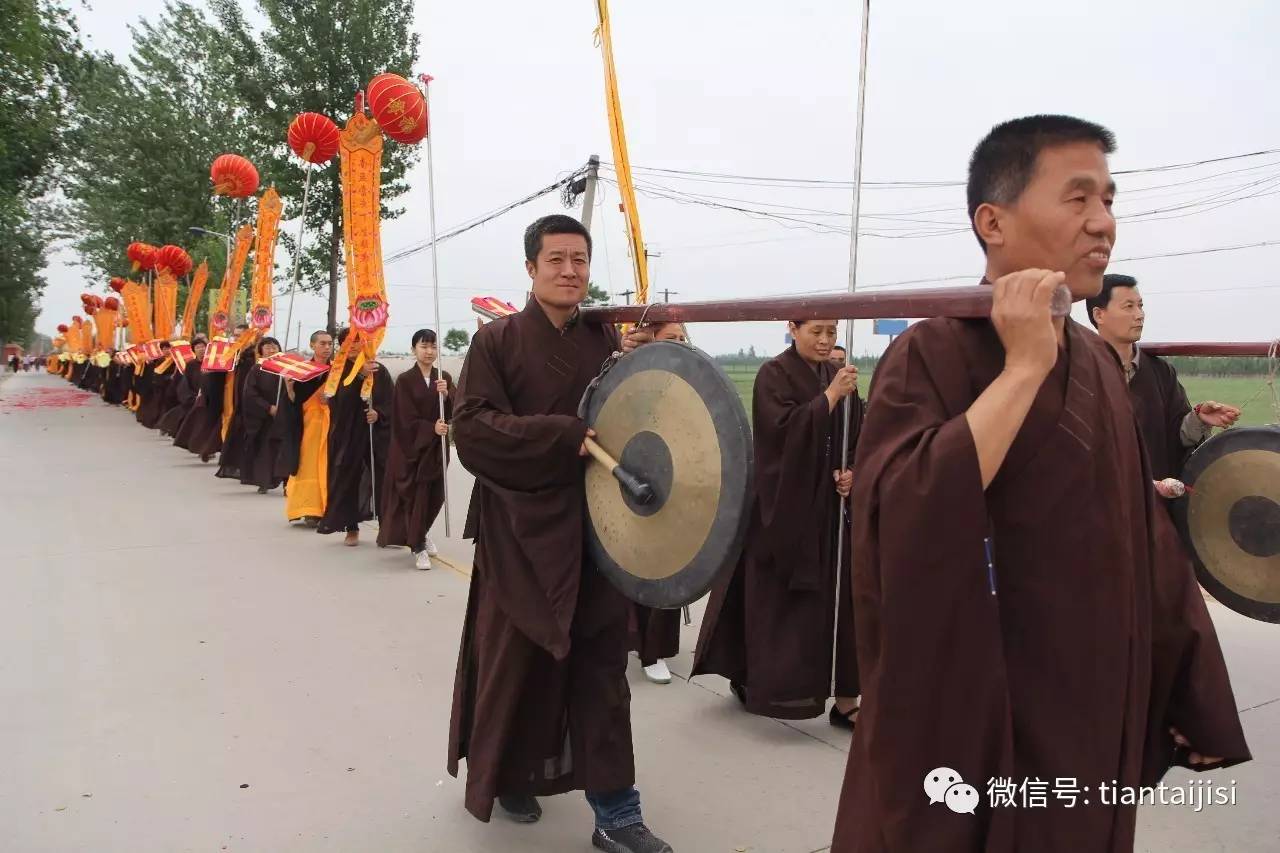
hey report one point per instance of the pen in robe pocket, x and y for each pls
(991, 566)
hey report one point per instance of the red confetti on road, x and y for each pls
(46, 398)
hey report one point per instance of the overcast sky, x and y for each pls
(767, 89)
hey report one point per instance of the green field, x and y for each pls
(1232, 390)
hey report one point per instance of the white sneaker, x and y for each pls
(422, 560)
(658, 673)
(431, 548)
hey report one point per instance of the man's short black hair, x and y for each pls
(1005, 160)
(1110, 282)
(317, 333)
(838, 347)
(556, 223)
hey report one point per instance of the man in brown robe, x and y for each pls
(1171, 428)
(1015, 595)
(357, 428)
(771, 625)
(541, 703)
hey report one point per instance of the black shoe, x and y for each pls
(843, 721)
(522, 808)
(635, 838)
(262, 490)
(739, 692)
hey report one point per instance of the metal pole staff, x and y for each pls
(297, 258)
(435, 286)
(853, 285)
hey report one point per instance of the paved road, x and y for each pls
(183, 671)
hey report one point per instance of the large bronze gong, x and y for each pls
(672, 514)
(1231, 519)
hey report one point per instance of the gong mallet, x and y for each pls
(640, 491)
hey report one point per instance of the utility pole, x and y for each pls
(627, 294)
(589, 190)
(666, 294)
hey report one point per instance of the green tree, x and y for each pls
(148, 134)
(456, 340)
(596, 295)
(313, 56)
(42, 67)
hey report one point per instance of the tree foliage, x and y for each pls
(596, 295)
(42, 68)
(456, 340)
(313, 56)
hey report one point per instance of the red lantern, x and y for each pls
(111, 303)
(117, 284)
(124, 323)
(313, 137)
(76, 318)
(233, 176)
(63, 328)
(174, 260)
(90, 310)
(398, 107)
(143, 256)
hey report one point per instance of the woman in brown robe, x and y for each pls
(158, 392)
(654, 631)
(413, 480)
(251, 425)
(186, 387)
(771, 625)
(201, 431)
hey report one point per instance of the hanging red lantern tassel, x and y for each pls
(398, 107)
(313, 137)
(233, 176)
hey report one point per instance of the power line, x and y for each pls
(928, 184)
(415, 248)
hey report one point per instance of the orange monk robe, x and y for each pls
(307, 489)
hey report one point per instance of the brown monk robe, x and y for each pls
(201, 430)
(231, 457)
(413, 482)
(186, 387)
(771, 625)
(157, 391)
(257, 406)
(541, 704)
(1014, 597)
(654, 634)
(114, 388)
(350, 484)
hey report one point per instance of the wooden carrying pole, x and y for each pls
(960, 302)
